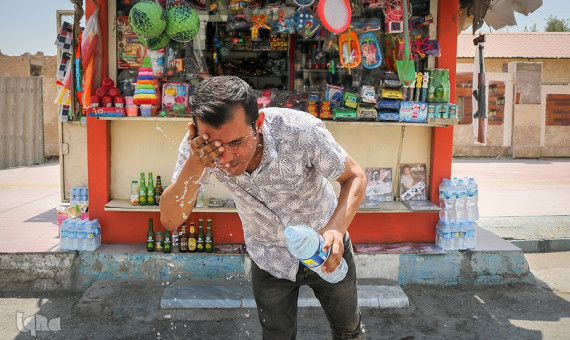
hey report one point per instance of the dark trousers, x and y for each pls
(276, 300)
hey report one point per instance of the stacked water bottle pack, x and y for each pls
(458, 200)
(78, 234)
(79, 195)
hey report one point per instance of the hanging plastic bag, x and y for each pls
(91, 52)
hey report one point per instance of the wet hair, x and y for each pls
(215, 98)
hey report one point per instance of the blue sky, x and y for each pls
(29, 26)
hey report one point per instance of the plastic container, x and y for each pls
(306, 244)
(461, 201)
(472, 200)
(132, 110)
(129, 101)
(64, 235)
(146, 110)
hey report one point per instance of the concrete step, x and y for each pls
(190, 295)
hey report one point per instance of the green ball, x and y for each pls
(155, 43)
(183, 23)
(148, 19)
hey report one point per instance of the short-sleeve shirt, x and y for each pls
(290, 186)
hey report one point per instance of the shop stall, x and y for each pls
(358, 74)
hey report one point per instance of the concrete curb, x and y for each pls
(533, 234)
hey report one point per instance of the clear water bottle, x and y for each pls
(446, 236)
(462, 237)
(72, 234)
(89, 236)
(306, 244)
(442, 187)
(64, 235)
(81, 228)
(471, 235)
(472, 200)
(97, 227)
(461, 201)
(454, 238)
(448, 213)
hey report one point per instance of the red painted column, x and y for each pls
(442, 137)
(98, 137)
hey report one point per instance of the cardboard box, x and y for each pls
(415, 112)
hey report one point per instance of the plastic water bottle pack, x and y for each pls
(81, 235)
(458, 200)
(307, 245)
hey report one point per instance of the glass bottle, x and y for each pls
(209, 242)
(158, 190)
(183, 239)
(150, 237)
(192, 240)
(142, 190)
(135, 193)
(167, 248)
(150, 190)
(200, 240)
(159, 241)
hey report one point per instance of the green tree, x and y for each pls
(553, 24)
(531, 29)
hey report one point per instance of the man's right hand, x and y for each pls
(201, 149)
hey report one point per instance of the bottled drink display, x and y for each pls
(200, 239)
(150, 190)
(306, 244)
(458, 199)
(158, 190)
(142, 190)
(135, 193)
(150, 242)
(192, 239)
(183, 239)
(209, 241)
(79, 195)
(167, 247)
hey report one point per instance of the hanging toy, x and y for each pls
(183, 23)
(350, 50)
(257, 23)
(147, 18)
(306, 23)
(371, 56)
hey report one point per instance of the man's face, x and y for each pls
(239, 140)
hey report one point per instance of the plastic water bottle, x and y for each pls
(81, 228)
(72, 234)
(446, 236)
(97, 227)
(461, 202)
(89, 236)
(64, 235)
(448, 213)
(462, 240)
(471, 235)
(306, 245)
(442, 187)
(472, 200)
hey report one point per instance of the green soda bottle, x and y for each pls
(150, 190)
(142, 190)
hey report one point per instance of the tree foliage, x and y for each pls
(553, 24)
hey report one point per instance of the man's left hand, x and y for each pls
(333, 241)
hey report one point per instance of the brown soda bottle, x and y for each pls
(183, 239)
(200, 240)
(209, 242)
(158, 189)
(192, 239)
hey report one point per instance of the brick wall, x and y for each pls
(464, 100)
(496, 103)
(558, 109)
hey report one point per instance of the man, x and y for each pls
(277, 164)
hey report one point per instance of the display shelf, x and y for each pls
(125, 205)
(332, 122)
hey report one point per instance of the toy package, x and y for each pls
(333, 94)
(175, 96)
(130, 51)
(415, 112)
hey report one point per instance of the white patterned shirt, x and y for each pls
(290, 186)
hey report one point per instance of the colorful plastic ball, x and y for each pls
(148, 19)
(183, 23)
(155, 43)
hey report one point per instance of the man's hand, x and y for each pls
(201, 149)
(333, 241)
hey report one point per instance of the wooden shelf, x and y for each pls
(125, 205)
(331, 122)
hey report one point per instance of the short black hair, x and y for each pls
(215, 98)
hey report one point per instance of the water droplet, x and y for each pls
(167, 316)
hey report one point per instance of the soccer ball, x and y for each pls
(183, 23)
(148, 19)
